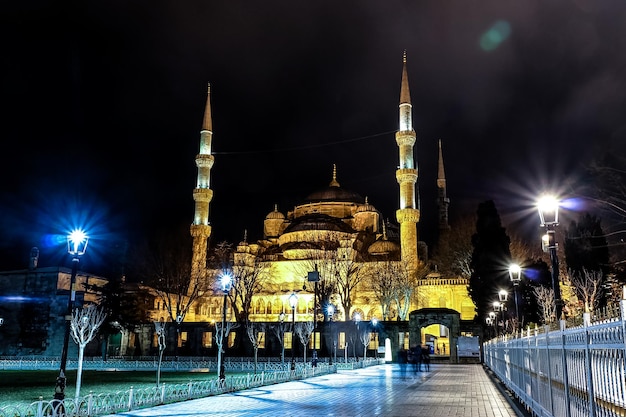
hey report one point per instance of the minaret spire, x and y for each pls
(442, 199)
(408, 214)
(202, 195)
(334, 182)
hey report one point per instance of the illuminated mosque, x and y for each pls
(337, 234)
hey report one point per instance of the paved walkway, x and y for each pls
(383, 390)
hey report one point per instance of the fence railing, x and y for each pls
(567, 372)
(93, 405)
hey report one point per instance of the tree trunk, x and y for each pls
(79, 372)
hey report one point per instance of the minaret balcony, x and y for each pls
(204, 161)
(204, 195)
(406, 175)
(406, 138)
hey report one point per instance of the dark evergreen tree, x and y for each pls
(586, 247)
(491, 258)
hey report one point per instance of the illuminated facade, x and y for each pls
(330, 228)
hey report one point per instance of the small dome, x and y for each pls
(383, 247)
(367, 207)
(275, 215)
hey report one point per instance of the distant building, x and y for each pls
(33, 306)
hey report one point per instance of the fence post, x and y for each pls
(90, 403)
(163, 393)
(40, 407)
(590, 394)
(562, 324)
(130, 398)
(547, 335)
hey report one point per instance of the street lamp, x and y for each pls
(314, 276)
(492, 321)
(281, 318)
(331, 313)
(548, 207)
(503, 296)
(293, 302)
(515, 272)
(225, 282)
(76, 246)
(357, 320)
(499, 306)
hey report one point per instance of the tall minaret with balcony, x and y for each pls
(202, 195)
(442, 198)
(408, 215)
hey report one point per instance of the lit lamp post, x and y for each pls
(225, 281)
(357, 320)
(515, 272)
(548, 207)
(281, 318)
(76, 246)
(331, 313)
(314, 276)
(293, 302)
(492, 321)
(503, 296)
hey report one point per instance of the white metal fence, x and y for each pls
(578, 371)
(94, 405)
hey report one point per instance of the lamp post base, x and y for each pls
(59, 389)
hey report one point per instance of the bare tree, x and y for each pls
(221, 337)
(588, 286)
(453, 255)
(545, 299)
(321, 254)
(83, 328)
(249, 274)
(254, 332)
(405, 286)
(159, 328)
(364, 336)
(165, 265)
(304, 329)
(381, 283)
(279, 332)
(348, 272)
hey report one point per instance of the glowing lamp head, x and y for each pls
(293, 300)
(503, 296)
(548, 207)
(515, 272)
(496, 305)
(225, 281)
(77, 242)
(357, 317)
(374, 321)
(331, 310)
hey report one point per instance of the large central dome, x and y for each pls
(333, 192)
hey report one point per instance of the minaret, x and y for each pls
(408, 215)
(202, 195)
(442, 199)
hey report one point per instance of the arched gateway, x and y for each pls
(425, 317)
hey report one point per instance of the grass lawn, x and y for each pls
(25, 387)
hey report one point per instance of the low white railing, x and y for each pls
(567, 372)
(94, 405)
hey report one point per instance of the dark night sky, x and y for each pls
(103, 104)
